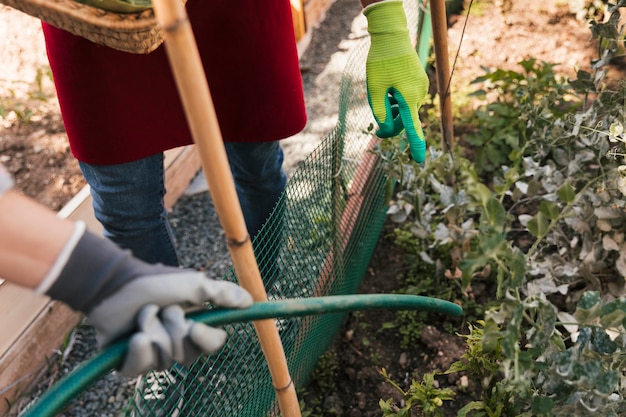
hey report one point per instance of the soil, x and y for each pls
(33, 144)
(34, 147)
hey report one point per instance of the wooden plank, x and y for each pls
(80, 208)
(17, 314)
(33, 327)
(25, 360)
(181, 167)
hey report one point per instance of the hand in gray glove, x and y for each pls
(122, 295)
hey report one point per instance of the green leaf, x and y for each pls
(589, 300)
(583, 82)
(538, 225)
(588, 308)
(470, 264)
(607, 382)
(517, 267)
(544, 325)
(566, 193)
(457, 366)
(389, 325)
(603, 343)
(491, 337)
(483, 193)
(557, 340)
(386, 408)
(584, 371)
(511, 335)
(550, 209)
(613, 314)
(471, 406)
(495, 214)
(541, 405)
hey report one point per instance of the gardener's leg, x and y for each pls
(128, 201)
(260, 181)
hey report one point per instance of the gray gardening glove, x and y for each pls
(122, 295)
(177, 338)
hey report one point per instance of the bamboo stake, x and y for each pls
(198, 105)
(440, 41)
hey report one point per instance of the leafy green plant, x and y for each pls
(524, 103)
(324, 376)
(423, 396)
(546, 226)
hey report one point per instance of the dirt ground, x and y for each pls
(34, 147)
(492, 37)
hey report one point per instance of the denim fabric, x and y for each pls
(128, 198)
(128, 201)
(259, 179)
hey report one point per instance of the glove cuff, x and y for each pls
(385, 17)
(6, 180)
(61, 261)
(91, 269)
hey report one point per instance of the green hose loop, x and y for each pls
(55, 399)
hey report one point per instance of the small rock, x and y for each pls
(403, 360)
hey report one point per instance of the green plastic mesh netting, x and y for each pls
(326, 227)
(318, 242)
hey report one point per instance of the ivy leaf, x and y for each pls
(589, 299)
(588, 308)
(586, 371)
(603, 343)
(583, 82)
(568, 321)
(541, 405)
(606, 30)
(511, 336)
(544, 326)
(606, 382)
(613, 314)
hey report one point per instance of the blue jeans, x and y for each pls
(128, 198)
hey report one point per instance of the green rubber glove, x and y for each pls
(396, 81)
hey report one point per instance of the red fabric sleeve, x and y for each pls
(118, 107)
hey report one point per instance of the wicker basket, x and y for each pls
(129, 32)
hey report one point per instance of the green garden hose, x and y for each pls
(53, 401)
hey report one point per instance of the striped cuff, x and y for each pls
(6, 180)
(61, 261)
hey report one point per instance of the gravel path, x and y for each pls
(197, 230)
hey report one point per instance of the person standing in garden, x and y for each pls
(122, 111)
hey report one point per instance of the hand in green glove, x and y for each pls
(395, 75)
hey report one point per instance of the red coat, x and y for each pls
(118, 107)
